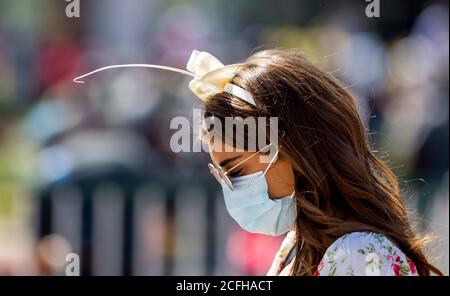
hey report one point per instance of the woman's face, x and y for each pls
(280, 176)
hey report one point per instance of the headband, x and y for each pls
(210, 76)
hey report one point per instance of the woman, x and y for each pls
(339, 204)
(349, 217)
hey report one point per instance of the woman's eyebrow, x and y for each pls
(227, 161)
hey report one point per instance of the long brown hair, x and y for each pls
(341, 185)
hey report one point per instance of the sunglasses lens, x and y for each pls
(214, 172)
(225, 178)
(220, 175)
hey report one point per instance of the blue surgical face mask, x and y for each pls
(251, 207)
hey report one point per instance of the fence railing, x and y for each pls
(123, 225)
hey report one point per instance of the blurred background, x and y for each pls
(88, 168)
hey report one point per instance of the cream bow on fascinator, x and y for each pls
(210, 76)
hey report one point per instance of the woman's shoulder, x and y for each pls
(360, 241)
(365, 253)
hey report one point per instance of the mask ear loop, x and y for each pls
(77, 79)
(271, 162)
(268, 166)
(282, 136)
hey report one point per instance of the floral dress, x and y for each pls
(357, 253)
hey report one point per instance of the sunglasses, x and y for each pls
(222, 176)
